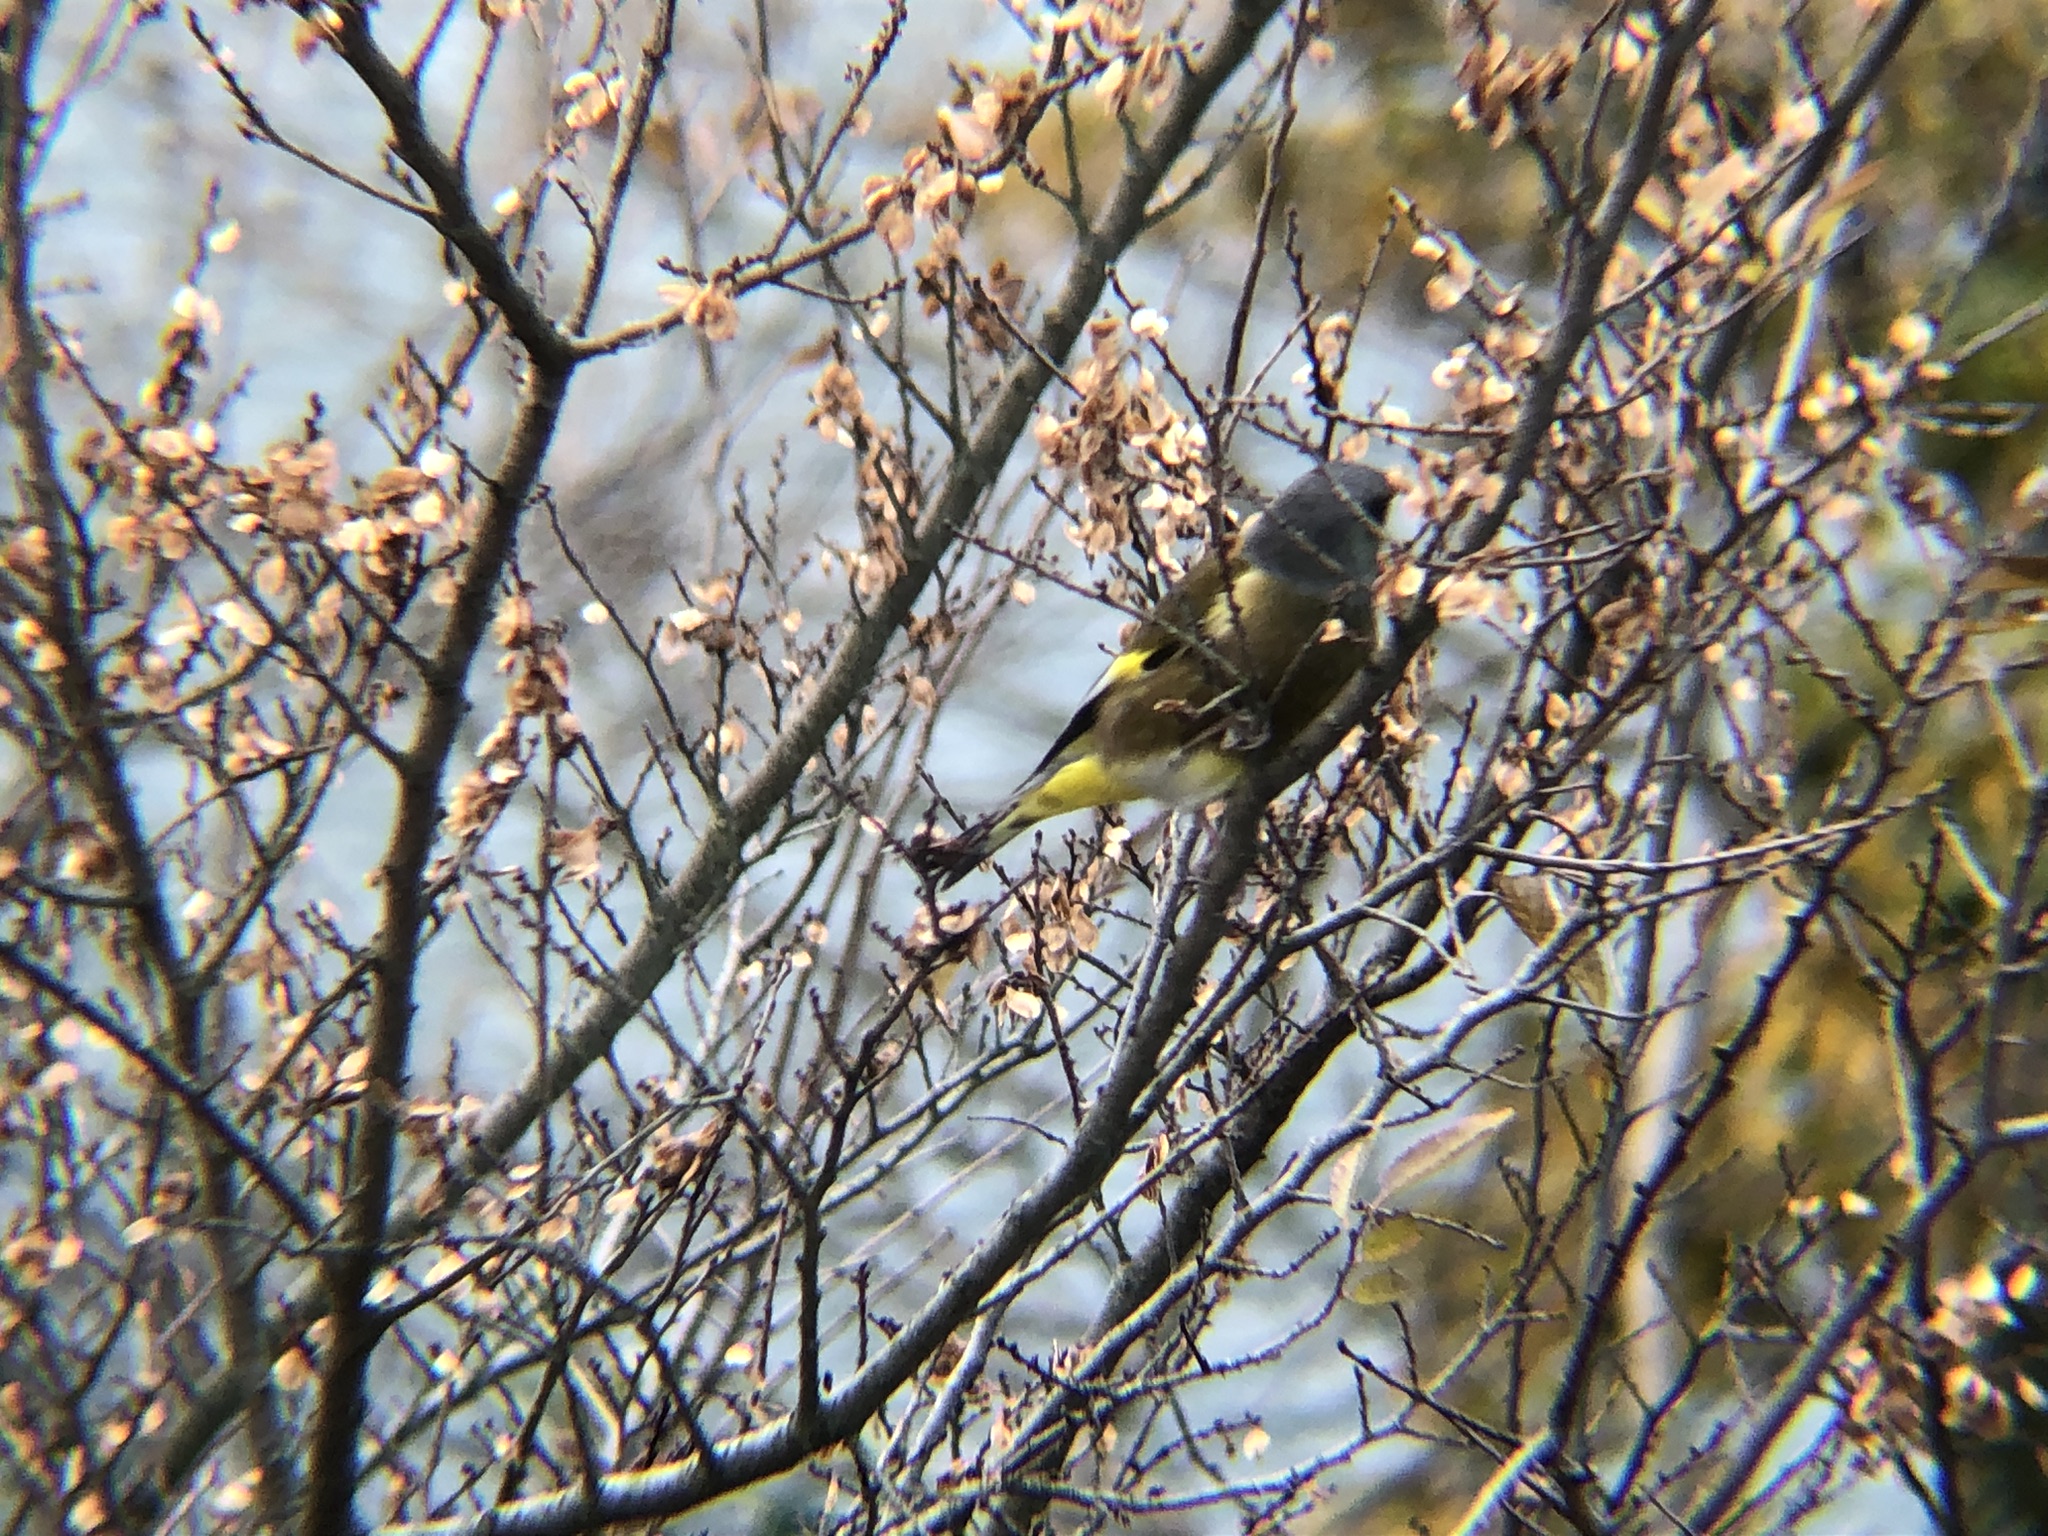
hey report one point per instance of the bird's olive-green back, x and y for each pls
(1209, 659)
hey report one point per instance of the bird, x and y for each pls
(1229, 668)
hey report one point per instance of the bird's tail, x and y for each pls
(1074, 784)
(945, 861)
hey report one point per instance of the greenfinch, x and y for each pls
(1237, 659)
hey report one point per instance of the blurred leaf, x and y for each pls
(1373, 1280)
(1343, 1176)
(1440, 1149)
(1533, 905)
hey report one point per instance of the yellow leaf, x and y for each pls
(1373, 1280)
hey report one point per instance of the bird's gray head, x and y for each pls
(1322, 533)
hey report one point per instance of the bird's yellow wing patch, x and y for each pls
(1085, 782)
(1126, 664)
